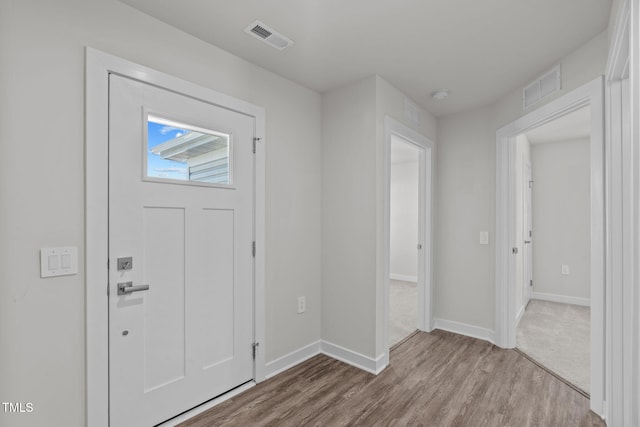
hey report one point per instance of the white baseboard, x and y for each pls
(292, 359)
(281, 364)
(519, 315)
(561, 298)
(465, 329)
(403, 277)
(374, 366)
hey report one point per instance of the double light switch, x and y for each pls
(58, 261)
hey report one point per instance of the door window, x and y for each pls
(180, 152)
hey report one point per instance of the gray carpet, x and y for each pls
(403, 310)
(558, 336)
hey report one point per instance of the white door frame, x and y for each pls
(527, 265)
(623, 202)
(505, 322)
(98, 67)
(425, 187)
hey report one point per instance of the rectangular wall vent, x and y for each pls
(412, 112)
(268, 35)
(542, 87)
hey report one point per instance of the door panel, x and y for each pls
(217, 261)
(163, 266)
(188, 338)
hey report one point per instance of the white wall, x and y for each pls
(561, 215)
(615, 10)
(466, 191)
(403, 263)
(522, 156)
(348, 216)
(464, 285)
(352, 210)
(42, 119)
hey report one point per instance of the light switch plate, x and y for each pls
(565, 270)
(61, 261)
(484, 237)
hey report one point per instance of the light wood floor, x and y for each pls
(436, 379)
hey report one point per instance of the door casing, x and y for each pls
(98, 67)
(591, 94)
(622, 80)
(527, 227)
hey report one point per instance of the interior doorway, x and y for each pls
(552, 216)
(404, 239)
(590, 94)
(422, 252)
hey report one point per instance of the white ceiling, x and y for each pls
(574, 125)
(481, 50)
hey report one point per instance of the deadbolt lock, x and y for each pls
(125, 263)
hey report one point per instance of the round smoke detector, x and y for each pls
(440, 94)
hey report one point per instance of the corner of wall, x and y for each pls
(348, 216)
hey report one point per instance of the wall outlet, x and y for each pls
(302, 305)
(565, 270)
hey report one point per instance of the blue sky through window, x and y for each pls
(157, 167)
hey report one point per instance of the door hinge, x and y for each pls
(530, 184)
(530, 233)
(255, 140)
(530, 282)
(255, 349)
(253, 248)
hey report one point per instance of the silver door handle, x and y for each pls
(527, 241)
(126, 288)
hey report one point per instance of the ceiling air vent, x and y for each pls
(542, 87)
(268, 35)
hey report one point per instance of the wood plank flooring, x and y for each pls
(435, 379)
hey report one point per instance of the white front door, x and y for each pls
(528, 233)
(181, 177)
